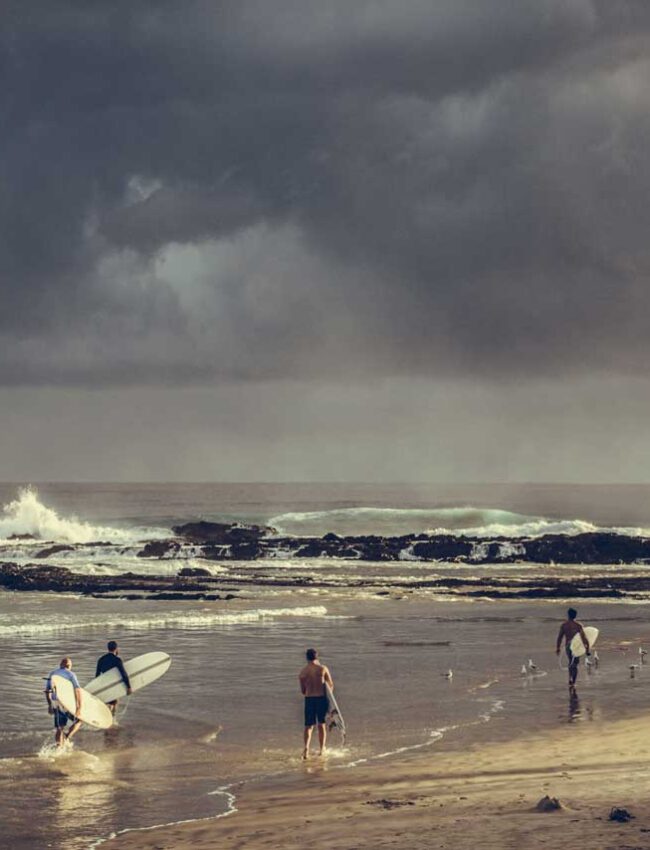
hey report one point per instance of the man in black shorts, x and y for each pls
(314, 676)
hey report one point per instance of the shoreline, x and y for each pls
(482, 796)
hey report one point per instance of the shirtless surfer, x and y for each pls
(313, 678)
(568, 630)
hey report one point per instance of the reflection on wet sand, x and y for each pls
(575, 712)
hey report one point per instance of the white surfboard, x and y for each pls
(577, 647)
(93, 711)
(142, 670)
(334, 718)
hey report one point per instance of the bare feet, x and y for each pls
(305, 754)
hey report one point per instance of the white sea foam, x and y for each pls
(28, 515)
(177, 619)
(231, 808)
(469, 521)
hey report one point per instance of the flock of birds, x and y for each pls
(531, 669)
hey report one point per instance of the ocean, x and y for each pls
(229, 709)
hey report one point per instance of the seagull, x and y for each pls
(448, 675)
(633, 669)
(595, 659)
(524, 671)
(532, 666)
(642, 654)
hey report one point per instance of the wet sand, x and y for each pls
(485, 797)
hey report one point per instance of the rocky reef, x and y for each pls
(196, 583)
(222, 542)
(238, 547)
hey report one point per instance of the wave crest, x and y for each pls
(27, 515)
(469, 521)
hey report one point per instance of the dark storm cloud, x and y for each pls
(253, 189)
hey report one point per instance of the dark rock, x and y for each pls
(620, 815)
(221, 532)
(159, 549)
(549, 804)
(53, 550)
(245, 550)
(176, 596)
(22, 537)
(311, 549)
(389, 804)
(187, 572)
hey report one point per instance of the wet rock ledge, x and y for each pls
(188, 584)
(223, 542)
(198, 584)
(239, 543)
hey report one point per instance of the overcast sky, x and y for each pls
(317, 239)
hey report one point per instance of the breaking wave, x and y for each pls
(469, 521)
(26, 515)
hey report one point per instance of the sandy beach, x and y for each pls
(483, 797)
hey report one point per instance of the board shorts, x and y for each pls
(316, 709)
(61, 718)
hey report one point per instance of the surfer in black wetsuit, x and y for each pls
(107, 662)
(568, 630)
(314, 676)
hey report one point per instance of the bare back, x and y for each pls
(313, 678)
(568, 630)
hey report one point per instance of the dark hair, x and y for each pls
(312, 654)
(572, 613)
(112, 645)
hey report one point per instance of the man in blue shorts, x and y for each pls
(62, 717)
(314, 676)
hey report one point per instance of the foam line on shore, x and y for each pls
(178, 619)
(434, 736)
(231, 801)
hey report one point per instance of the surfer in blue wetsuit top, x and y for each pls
(568, 630)
(62, 717)
(314, 676)
(107, 662)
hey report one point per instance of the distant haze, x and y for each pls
(386, 240)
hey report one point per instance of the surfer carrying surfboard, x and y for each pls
(62, 717)
(314, 680)
(568, 630)
(107, 662)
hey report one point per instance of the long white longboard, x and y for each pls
(334, 718)
(93, 711)
(142, 670)
(577, 647)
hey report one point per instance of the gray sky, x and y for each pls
(388, 240)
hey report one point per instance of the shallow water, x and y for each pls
(229, 709)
